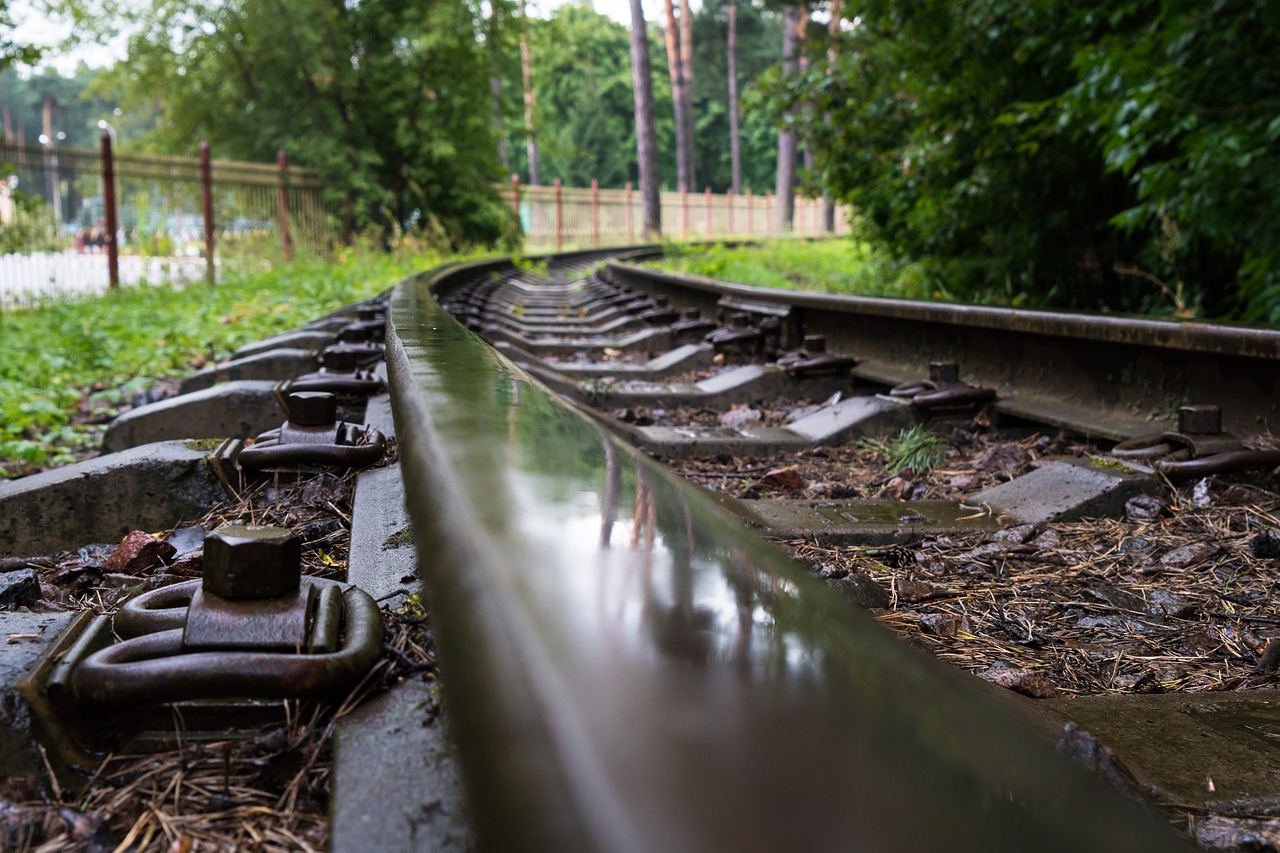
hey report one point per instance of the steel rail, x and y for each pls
(1106, 376)
(627, 668)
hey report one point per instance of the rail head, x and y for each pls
(627, 668)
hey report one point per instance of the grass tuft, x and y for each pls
(914, 450)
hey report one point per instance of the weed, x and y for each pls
(914, 450)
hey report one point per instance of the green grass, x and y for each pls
(914, 450)
(833, 266)
(60, 361)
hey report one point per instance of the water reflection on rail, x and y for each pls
(627, 668)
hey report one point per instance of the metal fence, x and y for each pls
(54, 237)
(565, 217)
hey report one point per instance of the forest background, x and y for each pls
(1116, 156)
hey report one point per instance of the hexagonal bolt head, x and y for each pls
(1200, 420)
(354, 335)
(661, 301)
(338, 360)
(312, 409)
(244, 562)
(365, 315)
(944, 372)
(692, 314)
(815, 343)
(739, 321)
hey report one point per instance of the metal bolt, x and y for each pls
(739, 321)
(1200, 420)
(354, 335)
(692, 314)
(312, 409)
(815, 344)
(661, 301)
(944, 372)
(251, 562)
(367, 314)
(337, 360)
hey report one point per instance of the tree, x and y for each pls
(945, 136)
(11, 51)
(784, 188)
(679, 98)
(1181, 99)
(757, 34)
(530, 102)
(731, 71)
(646, 142)
(387, 99)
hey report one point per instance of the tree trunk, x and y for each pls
(686, 71)
(526, 71)
(495, 87)
(785, 203)
(735, 132)
(833, 55)
(646, 140)
(675, 67)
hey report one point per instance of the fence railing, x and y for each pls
(558, 217)
(54, 213)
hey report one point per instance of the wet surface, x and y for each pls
(659, 654)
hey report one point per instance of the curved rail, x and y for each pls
(629, 669)
(1111, 377)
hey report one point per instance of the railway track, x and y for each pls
(627, 666)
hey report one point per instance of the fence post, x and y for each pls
(595, 212)
(730, 202)
(630, 231)
(684, 214)
(109, 202)
(751, 223)
(286, 239)
(768, 220)
(559, 218)
(707, 193)
(206, 197)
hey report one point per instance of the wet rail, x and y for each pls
(628, 668)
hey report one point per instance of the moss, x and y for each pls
(204, 445)
(402, 538)
(1112, 464)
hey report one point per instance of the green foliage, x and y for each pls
(585, 114)
(914, 450)
(939, 135)
(62, 360)
(759, 47)
(1094, 155)
(389, 100)
(1181, 96)
(32, 228)
(77, 107)
(834, 266)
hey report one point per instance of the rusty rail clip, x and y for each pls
(313, 436)
(252, 628)
(739, 337)
(339, 374)
(812, 359)
(1198, 448)
(943, 394)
